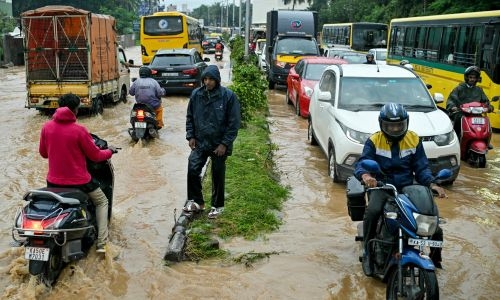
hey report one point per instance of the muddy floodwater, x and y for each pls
(315, 255)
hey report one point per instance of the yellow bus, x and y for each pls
(359, 36)
(168, 30)
(441, 47)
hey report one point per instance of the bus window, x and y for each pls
(433, 41)
(409, 42)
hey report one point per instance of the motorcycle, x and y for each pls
(218, 55)
(58, 225)
(143, 121)
(475, 133)
(398, 250)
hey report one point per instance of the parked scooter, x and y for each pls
(398, 250)
(475, 133)
(218, 55)
(143, 121)
(58, 225)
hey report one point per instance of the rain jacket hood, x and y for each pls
(212, 71)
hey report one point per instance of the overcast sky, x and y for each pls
(192, 4)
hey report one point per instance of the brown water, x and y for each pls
(316, 253)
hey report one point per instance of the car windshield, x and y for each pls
(170, 60)
(314, 71)
(354, 58)
(368, 93)
(296, 46)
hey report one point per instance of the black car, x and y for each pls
(208, 45)
(178, 70)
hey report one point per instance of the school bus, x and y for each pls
(441, 47)
(168, 30)
(358, 36)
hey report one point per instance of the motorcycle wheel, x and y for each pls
(417, 284)
(53, 267)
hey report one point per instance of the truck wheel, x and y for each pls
(123, 95)
(98, 107)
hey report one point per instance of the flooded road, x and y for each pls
(316, 256)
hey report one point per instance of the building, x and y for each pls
(259, 15)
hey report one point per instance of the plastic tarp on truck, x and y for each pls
(63, 43)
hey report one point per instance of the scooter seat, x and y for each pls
(70, 193)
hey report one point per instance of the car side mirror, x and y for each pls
(131, 61)
(438, 98)
(324, 96)
(207, 59)
(496, 98)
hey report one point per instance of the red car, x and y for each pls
(302, 78)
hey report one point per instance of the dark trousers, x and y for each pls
(197, 160)
(375, 208)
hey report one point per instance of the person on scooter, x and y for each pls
(402, 158)
(67, 145)
(148, 91)
(370, 59)
(466, 92)
(219, 47)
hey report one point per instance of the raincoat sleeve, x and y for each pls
(132, 89)
(420, 166)
(42, 146)
(189, 119)
(368, 153)
(453, 98)
(233, 119)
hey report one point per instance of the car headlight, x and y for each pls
(353, 135)
(426, 225)
(308, 91)
(444, 139)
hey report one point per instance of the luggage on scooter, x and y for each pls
(356, 202)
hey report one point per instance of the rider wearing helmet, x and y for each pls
(148, 91)
(370, 59)
(402, 159)
(466, 92)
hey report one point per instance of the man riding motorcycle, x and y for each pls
(466, 92)
(148, 91)
(402, 158)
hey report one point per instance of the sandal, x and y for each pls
(192, 206)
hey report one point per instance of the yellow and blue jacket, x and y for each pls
(402, 163)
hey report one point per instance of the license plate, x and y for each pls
(478, 121)
(429, 243)
(36, 253)
(169, 74)
(140, 125)
(53, 104)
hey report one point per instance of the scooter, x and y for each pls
(398, 250)
(143, 121)
(58, 225)
(475, 133)
(218, 55)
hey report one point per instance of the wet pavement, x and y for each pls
(315, 253)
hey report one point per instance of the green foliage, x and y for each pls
(248, 83)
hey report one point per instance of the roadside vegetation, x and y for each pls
(254, 196)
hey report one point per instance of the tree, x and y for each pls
(286, 2)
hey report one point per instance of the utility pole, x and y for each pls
(232, 23)
(239, 22)
(247, 27)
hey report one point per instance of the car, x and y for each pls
(344, 112)
(354, 57)
(261, 55)
(208, 44)
(302, 78)
(178, 70)
(379, 54)
(336, 52)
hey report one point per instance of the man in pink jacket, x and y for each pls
(67, 145)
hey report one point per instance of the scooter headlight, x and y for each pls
(426, 225)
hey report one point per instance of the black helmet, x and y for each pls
(69, 100)
(369, 55)
(144, 72)
(393, 120)
(470, 70)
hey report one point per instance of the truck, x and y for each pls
(70, 50)
(290, 35)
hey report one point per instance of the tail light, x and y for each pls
(192, 72)
(154, 72)
(39, 225)
(140, 115)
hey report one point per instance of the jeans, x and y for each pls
(197, 160)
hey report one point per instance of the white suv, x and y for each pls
(344, 112)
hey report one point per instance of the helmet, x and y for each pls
(144, 72)
(470, 70)
(393, 120)
(369, 55)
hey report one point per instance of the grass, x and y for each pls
(254, 196)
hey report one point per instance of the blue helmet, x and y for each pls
(393, 120)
